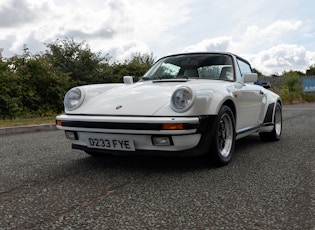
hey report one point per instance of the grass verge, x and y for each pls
(26, 121)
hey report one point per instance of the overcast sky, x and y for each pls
(274, 35)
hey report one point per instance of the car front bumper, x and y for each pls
(133, 135)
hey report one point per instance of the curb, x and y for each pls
(27, 129)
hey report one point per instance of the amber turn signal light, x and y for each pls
(170, 126)
(59, 122)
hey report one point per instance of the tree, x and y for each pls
(256, 71)
(77, 60)
(43, 86)
(10, 97)
(140, 63)
(137, 66)
(291, 80)
(311, 71)
(30, 85)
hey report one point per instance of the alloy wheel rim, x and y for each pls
(278, 122)
(225, 135)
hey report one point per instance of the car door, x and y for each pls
(250, 98)
(250, 102)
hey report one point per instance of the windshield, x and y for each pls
(201, 66)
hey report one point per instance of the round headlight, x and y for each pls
(182, 99)
(73, 98)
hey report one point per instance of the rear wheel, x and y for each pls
(223, 140)
(275, 134)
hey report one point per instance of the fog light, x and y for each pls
(71, 135)
(162, 141)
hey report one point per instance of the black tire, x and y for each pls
(223, 140)
(275, 134)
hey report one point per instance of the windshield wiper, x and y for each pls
(182, 76)
(163, 77)
(160, 77)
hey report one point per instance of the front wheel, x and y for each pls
(223, 140)
(275, 134)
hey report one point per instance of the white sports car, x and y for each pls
(186, 104)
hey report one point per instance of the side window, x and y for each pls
(244, 68)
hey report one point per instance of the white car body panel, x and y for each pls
(143, 142)
(111, 111)
(251, 105)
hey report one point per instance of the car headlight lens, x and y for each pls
(74, 98)
(182, 99)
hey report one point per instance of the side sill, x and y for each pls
(248, 130)
(257, 128)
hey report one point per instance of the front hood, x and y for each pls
(143, 98)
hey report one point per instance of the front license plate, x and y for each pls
(113, 144)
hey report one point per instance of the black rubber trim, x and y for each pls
(268, 117)
(132, 126)
(249, 129)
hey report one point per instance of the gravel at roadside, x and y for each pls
(27, 129)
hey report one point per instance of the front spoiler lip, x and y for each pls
(196, 151)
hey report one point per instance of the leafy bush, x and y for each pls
(292, 89)
(308, 97)
(9, 107)
(35, 85)
(10, 98)
(29, 85)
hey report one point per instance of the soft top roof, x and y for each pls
(205, 53)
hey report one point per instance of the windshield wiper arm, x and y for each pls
(182, 76)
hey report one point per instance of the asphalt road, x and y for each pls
(46, 185)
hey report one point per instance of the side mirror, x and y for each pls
(250, 77)
(267, 85)
(128, 80)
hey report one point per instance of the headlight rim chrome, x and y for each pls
(189, 103)
(79, 102)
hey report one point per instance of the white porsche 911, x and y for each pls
(186, 104)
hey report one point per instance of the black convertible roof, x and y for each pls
(205, 53)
